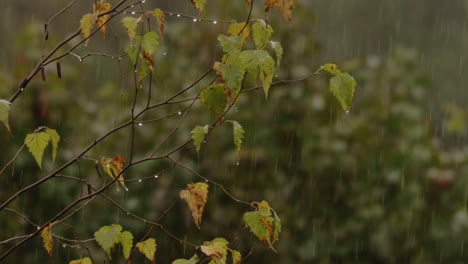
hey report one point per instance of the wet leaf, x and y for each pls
(107, 237)
(126, 239)
(216, 249)
(130, 24)
(232, 47)
(47, 241)
(199, 5)
(196, 195)
(113, 167)
(261, 33)
(276, 46)
(284, 6)
(86, 25)
(259, 62)
(331, 68)
(342, 87)
(148, 248)
(101, 8)
(192, 260)
(149, 45)
(263, 224)
(238, 133)
(236, 257)
(214, 98)
(235, 29)
(232, 76)
(198, 136)
(159, 15)
(82, 261)
(5, 112)
(38, 141)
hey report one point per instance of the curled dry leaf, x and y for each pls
(196, 195)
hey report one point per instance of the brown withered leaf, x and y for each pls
(113, 167)
(102, 8)
(196, 195)
(284, 6)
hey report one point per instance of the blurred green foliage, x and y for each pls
(385, 183)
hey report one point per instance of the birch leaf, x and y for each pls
(86, 25)
(192, 260)
(4, 113)
(107, 237)
(159, 15)
(196, 195)
(130, 24)
(198, 136)
(101, 8)
(148, 248)
(48, 243)
(126, 240)
(216, 249)
(113, 167)
(214, 98)
(284, 6)
(199, 5)
(261, 33)
(82, 261)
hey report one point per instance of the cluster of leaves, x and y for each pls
(247, 53)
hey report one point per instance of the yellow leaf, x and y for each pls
(235, 28)
(82, 261)
(113, 167)
(216, 249)
(102, 8)
(284, 6)
(160, 17)
(199, 5)
(148, 248)
(86, 26)
(46, 235)
(196, 195)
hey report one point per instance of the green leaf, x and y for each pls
(232, 76)
(331, 68)
(235, 29)
(192, 260)
(238, 133)
(342, 86)
(199, 5)
(130, 24)
(107, 237)
(261, 33)
(38, 141)
(158, 13)
(55, 138)
(81, 261)
(231, 46)
(198, 136)
(216, 249)
(255, 60)
(236, 257)
(126, 239)
(214, 98)
(149, 43)
(263, 224)
(132, 53)
(148, 248)
(276, 46)
(4, 112)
